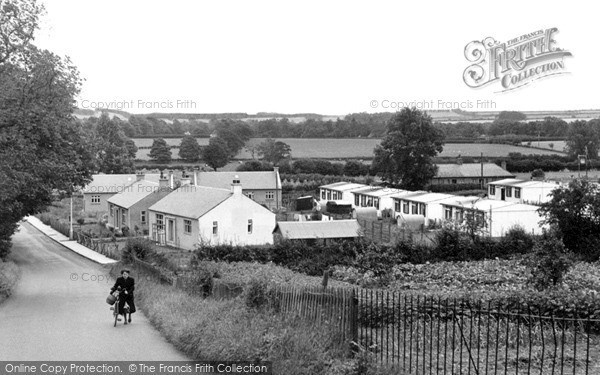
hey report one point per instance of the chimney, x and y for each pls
(276, 169)
(185, 180)
(236, 186)
(163, 182)
(171, 184)
(139, 176)
(196, 176)
(503, 164)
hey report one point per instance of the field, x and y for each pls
(558, 145)
(359, 148)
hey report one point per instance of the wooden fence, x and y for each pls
(106, 248)
(388, 232)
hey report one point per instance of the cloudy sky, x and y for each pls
(327, 57)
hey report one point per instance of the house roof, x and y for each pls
(472, 170)
(114, 183)
(477, 203)
(134, 193)
(427, 197)
(376, 191)
(249, 180)
(518, 207)
(301, 230)
(191, 201)
(524, 183)
(343, 186)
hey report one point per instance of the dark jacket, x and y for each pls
(126, 285)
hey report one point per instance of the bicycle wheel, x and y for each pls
(116, 312)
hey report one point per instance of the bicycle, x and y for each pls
(115, 308)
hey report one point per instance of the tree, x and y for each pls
(538, 174)
(160, 151)
(189, 150)
(274, 151)
(355, 168)
(583, 138)
(575, 211)
(512, 116)
(216, 154)
(114, 152)
(549, 262)
(405, 156)
(43, 150)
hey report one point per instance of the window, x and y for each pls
(448, 213)
(95, 199)
(397, 205)
(492, 190)
(422, 209)
(454, 180)
(363, 200)
(323, 194)
(405, 207)
(160, 222)
(215, 228)
(376, 203)
(414, 209)
(356, 200)
(249, 226)
(509, 192)
(270, 195)
(112, 210)
(143, 217)
(459, 215)
(517, 193)
(187, 226)
(369, 201)
(328, 195)
(124, 217)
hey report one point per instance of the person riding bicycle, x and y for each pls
(126, 285)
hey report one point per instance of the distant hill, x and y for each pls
(437, 115)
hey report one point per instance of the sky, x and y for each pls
(326, 57)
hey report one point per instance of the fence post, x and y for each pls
(353, 302)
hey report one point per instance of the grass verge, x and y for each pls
(221, 330)
(9, 275)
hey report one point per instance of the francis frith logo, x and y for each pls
(514, 63)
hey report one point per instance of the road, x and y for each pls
(57, 312)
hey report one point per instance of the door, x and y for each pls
(502, 194)
(170, 230)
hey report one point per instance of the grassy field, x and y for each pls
(346, 148)
(558, 145)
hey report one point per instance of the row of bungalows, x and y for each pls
(421, 209)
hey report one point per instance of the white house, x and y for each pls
(521, 191)
(496, 216)
(375, 196)
(339, 191)
(426, 205)
(197, 214)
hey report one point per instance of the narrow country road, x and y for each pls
(57, 312)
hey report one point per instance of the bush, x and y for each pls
(549, 262)
(516, 241)
(256, 294)
(139, 248)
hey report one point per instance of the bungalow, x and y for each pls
(104, 186)
(339, 191)
(469, 173)
(262, 187)
(197, 214)
(317, 230)
(521, 191)
(129, 208)
(375, 196)
(495, 217)
(409, 205)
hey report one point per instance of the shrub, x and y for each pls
(549, 262)
(516, 241)
(256, 294)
